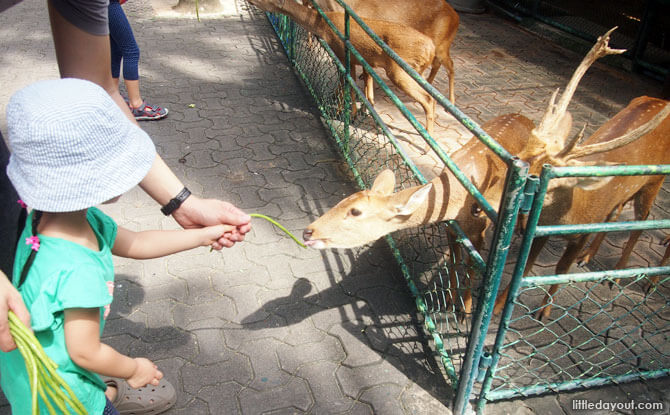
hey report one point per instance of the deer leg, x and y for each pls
(452, 94)
(664, 262)
(586, 257)
(435, 66)
(454, 284)
(353, 92)
(442, 53)
(535, 250)
(595, 245)
(666, 257)
(405, 82)
(453, 278)
(450, 72)
(477, 241)
(653, 281)
(340, 94)
(573, 249)
(369, 88)
(455, 258)
(644, 200)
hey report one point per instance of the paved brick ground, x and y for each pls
(267, 327)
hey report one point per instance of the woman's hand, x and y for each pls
(196, 212)
(10, 299)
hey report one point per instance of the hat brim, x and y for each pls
(104, 177)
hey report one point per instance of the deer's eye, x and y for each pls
(475, 210)
(354, 212)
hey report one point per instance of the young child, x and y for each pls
(72, 148)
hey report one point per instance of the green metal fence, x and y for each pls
(605, 327)
(518, 355)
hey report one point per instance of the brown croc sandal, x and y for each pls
(149, 399)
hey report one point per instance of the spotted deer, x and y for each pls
(434, 18)
(638, 135)
(415, 48)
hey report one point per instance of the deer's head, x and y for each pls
(367, 215)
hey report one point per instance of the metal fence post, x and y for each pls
(534, 204)
(509, 208)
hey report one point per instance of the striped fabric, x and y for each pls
(72, 147)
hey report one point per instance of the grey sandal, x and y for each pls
(149, 399)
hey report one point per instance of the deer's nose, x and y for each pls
(307, 234)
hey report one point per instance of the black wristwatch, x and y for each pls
(173, 204)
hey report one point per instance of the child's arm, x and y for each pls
(154, 244)
(82, 339)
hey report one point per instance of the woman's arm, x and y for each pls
(82, 339)
(154, 244)
(162, 185)
(85, 56)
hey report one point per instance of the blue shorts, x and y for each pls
(109, 409)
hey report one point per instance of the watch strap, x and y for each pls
(174, 204)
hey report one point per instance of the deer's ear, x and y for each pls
(411, 201)
(384, 183)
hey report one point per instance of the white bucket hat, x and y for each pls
(72, 147)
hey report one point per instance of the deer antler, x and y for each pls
(629, 137)
(556, 122)
(570, 145)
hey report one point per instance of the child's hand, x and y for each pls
(196, 213)
(145, 373)
(213, 233)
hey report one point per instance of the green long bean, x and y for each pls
(31, 368)
(45, 382)
(274, 222)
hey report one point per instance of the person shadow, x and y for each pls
(126, 330)
(378, 318)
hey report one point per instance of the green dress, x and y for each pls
(63, 275)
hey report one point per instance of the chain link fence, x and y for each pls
(595, 335)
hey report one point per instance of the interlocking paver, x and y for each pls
(267, 327)
(293, 397)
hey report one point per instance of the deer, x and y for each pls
(665, 261)
(637, 135)
(434, 18)
(415, 48)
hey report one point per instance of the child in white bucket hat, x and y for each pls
(73, 148)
